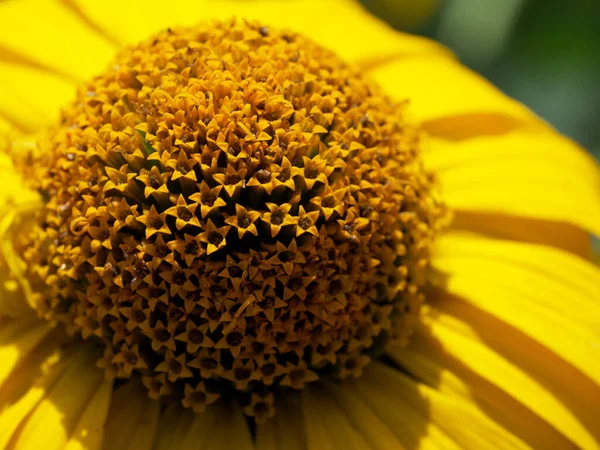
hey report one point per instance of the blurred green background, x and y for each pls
(546, 53)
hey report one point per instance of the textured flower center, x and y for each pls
(232, 210)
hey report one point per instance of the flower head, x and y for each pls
(235, 218)
(302, 154)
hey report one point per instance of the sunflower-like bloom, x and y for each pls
(282, 225)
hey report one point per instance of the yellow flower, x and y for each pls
(237, 235)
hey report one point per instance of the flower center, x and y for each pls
(232, 209)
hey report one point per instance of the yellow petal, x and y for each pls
(341, 25)
(362, 418)
(174, 423)
(12, 301)
(406, 415)
(327, 427)
(546, 293)
(30, 379)
(17, 203)
(471, 124)
(458, 418)
(61, 407)
(285, 431)
(198, 430)
(561, 235)
(88, 434)
(441, 89)
(538, 175)
(48, 34)
(222, 427)
(463, 365)
(5, 128)
(132, 419)
(17, 339)
(566, 383)
(32, 97)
